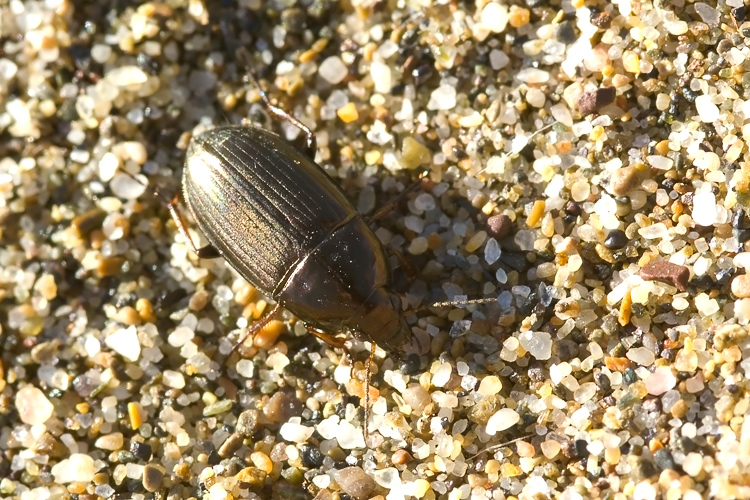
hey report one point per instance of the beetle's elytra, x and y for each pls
(288, 229)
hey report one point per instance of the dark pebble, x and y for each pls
(565, 349)
(601, 20)
(310, 456)
(616, 239)
(141, 450)
(663, 459)
(565, 32)
(153, 475)
(355, 482)
(642, 469)
(662, 270)
(594, 100)
(282, 406)
(247, 422)
(499, 226)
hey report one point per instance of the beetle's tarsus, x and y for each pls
(336, 342)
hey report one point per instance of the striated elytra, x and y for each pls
(289, 230)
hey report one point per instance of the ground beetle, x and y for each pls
(278, 219)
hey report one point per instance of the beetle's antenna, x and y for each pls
(501, 445)
(464, 302)
(521, 141)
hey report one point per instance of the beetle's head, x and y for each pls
(380, 320)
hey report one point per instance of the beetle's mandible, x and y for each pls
(286, 227)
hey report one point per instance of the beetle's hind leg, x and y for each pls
(310, 145)
(205, 252)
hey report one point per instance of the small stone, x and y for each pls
(708, 112)
(616, 239)
(550, 448)
(594, 100)
(442, 375)
(33, 406)
(624, 180)
(499, 226)
(125, 343)
(704, 208)
(153, 476)
(348, 113)
(282, 406)
(503, 419)
(442, 98)
(414, 154)
(295, 432)
(741, 286)
(495, 17)
(642, 356)
(601, 19)
(666, 271)
(111, 442)
(481, 412)
(333, 70)
(247, 422)
(417, 398)
(252, 476)
(87, 222)
(355, 482)
(538, 344)
(126, 76)
(660, 381)
(490, 385)
(565, 32)
(78, 468)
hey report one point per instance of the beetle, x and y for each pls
(287, 228)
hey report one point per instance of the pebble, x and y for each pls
(661, 270)
(414, 154)
(126, 76)
(355, 482)
(490, 385)
(616, 239)
(442, 98)
(125, 343)
(538, 344)
(660, 381)
(502, 420)
(495, 17)
(417, 398)
(153, 477)
(499, 226)
(333, 70)
(78, 468)
(111, 442)
(741, 286)
(33, 406)
(295, 432)
(594, 100)
(624, 180)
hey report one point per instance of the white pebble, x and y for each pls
(125, 343)
(442, 375)
(442, 98)
(295, 432)
(495, 17)
(704, 208)
(498, 59)
(641, 355)
(538, 344)
(33, 406)
(333, 70)
(126, 76)
(78, 468)
(660, 381)
(708, 112)
(502, 420)
(381, 77)
(173, 379)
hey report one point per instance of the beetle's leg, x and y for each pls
(205, 252)
(310, 145)
(389, 206)
(368, 375)
(337, 342)
(258, 325)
